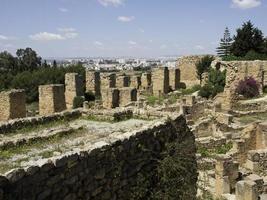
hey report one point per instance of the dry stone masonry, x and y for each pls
(127, 95)
(93, 82)
(73, 88)
(12, 105)
(160, 80)
(51, 99)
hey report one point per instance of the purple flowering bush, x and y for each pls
(248, 87)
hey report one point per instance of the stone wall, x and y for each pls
(51, 99)
(135, 81)
(238, 70)
(174, 76)
(160, 81)
(73, 88)
(146, 80)
(104, 170)
(12, 105)
(127, 95)
(110, 98)
(107, 81)
(187, 66)
(122, 81)
(93, 82)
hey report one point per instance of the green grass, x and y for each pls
(209, 153)
(190, 90)
(152, 100)
(252, 118)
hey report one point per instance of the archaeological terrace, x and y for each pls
(98, 151)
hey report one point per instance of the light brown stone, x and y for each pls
(127, 95)
(51, 99)
(174, 76)
(12, 105)
(160, 81)
(93, 82)
(110, 98)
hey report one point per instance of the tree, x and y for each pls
(8, 63)
(28, 59)
(203, 66)
(54, 64)
(247, 38)
(225, 44)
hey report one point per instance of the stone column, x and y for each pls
(146, 80)
(174, 75)
(246, 190)
(12, 105)
(73, 88)
(135, 81)
(51, 99)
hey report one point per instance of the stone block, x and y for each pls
(73, 88)
(12, 105)
(122, 81)
(146, 80)
(51, 99)
(174, 76)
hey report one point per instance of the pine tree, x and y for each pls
(225, 44)
(248, 38)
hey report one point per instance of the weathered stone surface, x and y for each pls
(160, 81)
(174, 76)
(12, 105)
(73, 88)
(93, 82)
(51, 99)
(127, 95)
(111, 98)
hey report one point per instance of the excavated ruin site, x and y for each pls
(98, 151)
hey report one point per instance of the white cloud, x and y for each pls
(2, 37)
(97, 43)
(126, 18)
(45, 36)
(199, 47)
(245, 4)
(64, 10)
(111, 2)
(132, 42)
(66, 29)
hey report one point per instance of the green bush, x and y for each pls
(78, 102)
(206, 91)
(191, 90)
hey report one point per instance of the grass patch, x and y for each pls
(98, 118)
(252, 118)
(190, 90)
(209, 153)
(152, 100)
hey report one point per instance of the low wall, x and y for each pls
(105, 171)
(14, 125)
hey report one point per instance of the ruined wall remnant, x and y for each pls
(73, 88)
(122, 81)
(110, 98)
(174, 76)
(146, 80)
(187, 66)
(160, 81)
(106, 170)
(135, 81)
(12, 105)
(51, 99)
(226, 174)
(236, 71)
(107, 81)
(93, 82)
(127, 95)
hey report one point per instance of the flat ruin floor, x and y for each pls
(32, 146)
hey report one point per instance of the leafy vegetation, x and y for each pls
(203, 66)
(78, 102)
(26, 71)
(225, 44)
(223, 149)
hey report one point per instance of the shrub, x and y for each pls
(206, 91)
(89, 96)
(248, 87)
(191, 90)
(203, 66)
(78, 102)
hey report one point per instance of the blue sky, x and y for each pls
(138, 28)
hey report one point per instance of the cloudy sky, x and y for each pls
(139, 28)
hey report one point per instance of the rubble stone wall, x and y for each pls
(146, 80)
(187, 66)
(122, 81)
(103, 171)
(51, 99)
(127, 95)
(12, 105)
(73, 88)
(93, 82)
(160, 81)
(111, 98)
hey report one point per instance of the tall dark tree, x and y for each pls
(248, 38)
(54, 64)
(28, 59)
(225, 44)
